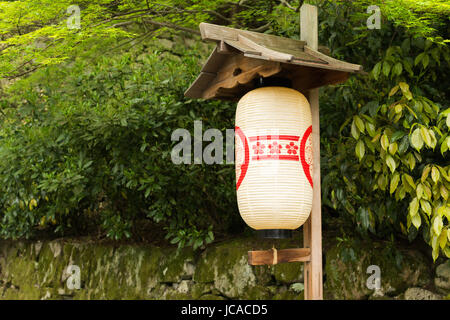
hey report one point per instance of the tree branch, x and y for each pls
(286, 4)
(171, 25)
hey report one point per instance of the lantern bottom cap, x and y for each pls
(275, 233)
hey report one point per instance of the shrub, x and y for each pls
(90, 144)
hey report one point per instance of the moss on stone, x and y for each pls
(36, 270)
(174, 265)
(283, 293)
(257, 292)
(200, 289)
(288, 273)
(226, 265)
(346, 269)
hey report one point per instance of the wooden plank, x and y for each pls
(239, 64)
(195, 91)
(239, 70)
(271, 43)
(307, 266)
(306, 78)
(214, 61)
(230, 81)
(337, 64)
(309, 28)
(214, 32)
(271, 54)
(316, 213)
(313, 226)
(224, 48)
(273, 256)
(242, 47)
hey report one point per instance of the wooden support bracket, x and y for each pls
(274, 256)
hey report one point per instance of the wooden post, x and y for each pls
(312, 229)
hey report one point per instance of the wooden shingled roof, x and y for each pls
(242, 56)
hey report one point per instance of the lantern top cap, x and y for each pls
(242, 56)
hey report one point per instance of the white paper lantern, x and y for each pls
(274, 158)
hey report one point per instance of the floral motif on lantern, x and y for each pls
(258, 148)
(291, 148)
(275, 147)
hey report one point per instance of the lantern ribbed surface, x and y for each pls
(274, 158)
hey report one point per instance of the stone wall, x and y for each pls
(37, 270)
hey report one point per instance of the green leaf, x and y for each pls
(393, 147)
(416, 139)
(410, 180)
(425, 173)
(408, 67)
(425, 60)
(393, 91)
(426, 207)
(382, 182)
(354, 130)
(376, 70)
(411, 161)
(435, 174)
(384, 142)
(418, 58)
(371, 129)
(437, 225)
(416, 221)
(386, 68)
(425, 136)
(360, 149)
(446, 252)
(419, 191)
(373, 108)
(435, 246)
(404, 86)
(443, 239)
(397, 135)
(359, 123)
(394, 182)
(404, 144)
(444, 192)
(405, 90)
(433, 139)
(413, 207)
(444, 146)
(397, 70)
(365, 219)
(390, 163)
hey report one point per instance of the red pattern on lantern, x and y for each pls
(306, 154)
(275, 151)
(291, 148)
(275, 147)
(242, 153)
(258, 148)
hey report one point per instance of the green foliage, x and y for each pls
(90, 145)
(396, 123)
